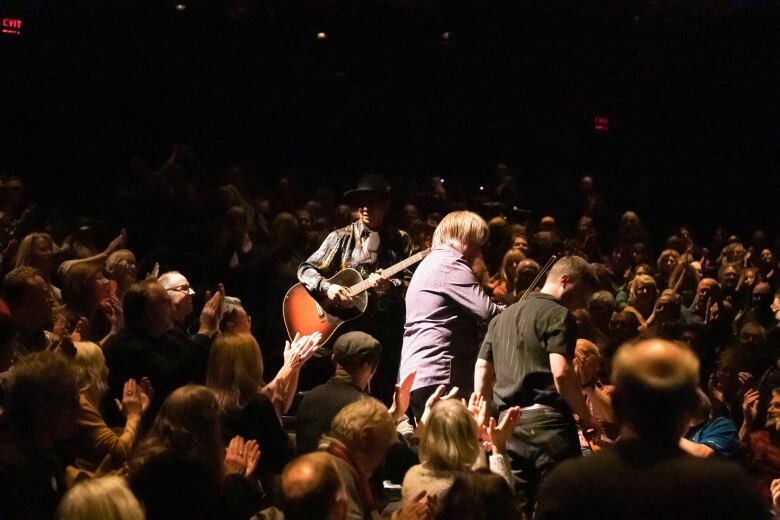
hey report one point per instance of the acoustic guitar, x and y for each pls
(307, 312)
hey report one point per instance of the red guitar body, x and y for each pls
(307, 312)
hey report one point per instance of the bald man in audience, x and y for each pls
(646, 474)
(312, 487)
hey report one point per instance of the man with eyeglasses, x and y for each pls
(181, 293)
(155, 345)
(234, 318)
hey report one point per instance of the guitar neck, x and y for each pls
(389, 272)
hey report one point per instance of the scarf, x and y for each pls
(337, 449)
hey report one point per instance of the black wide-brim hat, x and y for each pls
(369, 186)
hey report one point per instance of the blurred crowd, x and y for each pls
(147, 372)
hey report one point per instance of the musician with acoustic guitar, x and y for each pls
(353, 257)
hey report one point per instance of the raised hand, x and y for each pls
(477, 406)
(118, 243)
(59, 327)
(211, 314)
(301, 349)
(241, 456)
(774, 488)
(437, 396)
(401, 396)
(81, 329)
(114, 313)
(63, 344)
(134, 400)
(499, 433)
(146, 387)
(745, 379)
(750, 406)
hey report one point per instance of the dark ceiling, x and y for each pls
(690, 89)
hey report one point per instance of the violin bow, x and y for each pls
(544, 270)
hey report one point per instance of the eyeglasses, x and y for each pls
(184, 288)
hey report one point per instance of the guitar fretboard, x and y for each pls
(389, 272)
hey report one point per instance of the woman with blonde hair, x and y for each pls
(445, 307)
(95, 444)
(642, 293)
(235, 375)
(91, 306)
(450, 443)
(37, 250)
(105, 498)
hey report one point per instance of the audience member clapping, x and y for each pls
(235, 375)
(182, 469)
(451, 443)
(95, 445)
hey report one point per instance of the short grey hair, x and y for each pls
(165, 279)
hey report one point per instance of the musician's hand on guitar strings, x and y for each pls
(377, 282)
(338, 293)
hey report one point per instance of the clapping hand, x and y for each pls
(211, 314)
(499, 433)
(241, 456)
(437, 396)
(750, 406)
(774, 488)
(63, 344)
(114, 313)
(118, 243)
(135, 398)
(81, 329)
(420, 507)
(301, 349)
(477, 406)
(401, 396)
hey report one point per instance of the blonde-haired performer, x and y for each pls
(445, 306)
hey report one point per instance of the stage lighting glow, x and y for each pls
(181, 7)
(322, 36)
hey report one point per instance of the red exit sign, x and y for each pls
(601, 124)
(12, 26)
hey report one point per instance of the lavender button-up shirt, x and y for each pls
(444, 307)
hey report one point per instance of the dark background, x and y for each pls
(690, 89)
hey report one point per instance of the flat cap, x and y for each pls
(356, 346)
